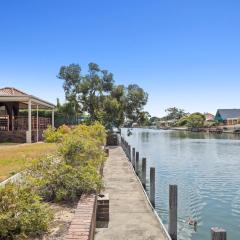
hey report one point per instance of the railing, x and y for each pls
(20, 123)
(4, 123)
(133, 156)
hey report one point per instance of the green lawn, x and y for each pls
(16, 157)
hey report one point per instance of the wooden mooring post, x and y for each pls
(152, 186)
(172, 225)
(129, 152)
(144, 166)
(218, 234)
(137, 163)
(123, 144)
(133, 157)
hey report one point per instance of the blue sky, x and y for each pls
(184, 53)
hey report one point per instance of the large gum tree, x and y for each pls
(96, 93)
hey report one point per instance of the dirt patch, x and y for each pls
(63, 215)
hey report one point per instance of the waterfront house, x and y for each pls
(209, 117)
(15, 127)
(228, 116)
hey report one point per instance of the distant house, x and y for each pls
(209, 117)
(167, 123)
(228, 116)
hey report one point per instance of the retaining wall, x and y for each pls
(84, 222)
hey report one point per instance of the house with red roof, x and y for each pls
(17, 128)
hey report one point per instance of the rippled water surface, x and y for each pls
(206, 169)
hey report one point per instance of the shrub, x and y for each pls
(50, 135)
(78, 151)
(22, 213)
(57, 181)
(84, 145)
(182, 121)
(98, 132)
(95, 131)
(196, 120)
(211, 124)
(56, 178)
(64, 129)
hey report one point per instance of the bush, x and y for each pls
(98, 132)
(182, 121)
(211, 124)
(79, 151)
(84, 145)
(64, 129)
(196, 120)
(57, 181)
(50, 135)
(76, 169)
(53, 135)
(95, 131)
(62, 177)
(22, 213)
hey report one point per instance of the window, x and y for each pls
(3, 110)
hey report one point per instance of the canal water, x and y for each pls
(206, 168)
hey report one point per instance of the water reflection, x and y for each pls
(207, 170)
(145, 137)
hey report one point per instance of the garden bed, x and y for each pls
(41, 204)
(63, 215)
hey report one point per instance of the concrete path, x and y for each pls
(131, 217)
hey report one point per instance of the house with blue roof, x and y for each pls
(228, 116)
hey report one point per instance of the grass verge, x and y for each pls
(15, 158)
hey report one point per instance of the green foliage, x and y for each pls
(144, 119)
(154, 120)
(69, 111)
(86, 90)
(112, 112)
(84, 145)
(98, 132)
(59, 178)
(51, 135)
(58, 181)
(174, 113)
(97, 95)
(136, 99)
(22, 213)
(75, 170)
(182, 121)
(211, 124)
(196, 120)
(64, 129)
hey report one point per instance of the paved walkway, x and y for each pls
(131, 217)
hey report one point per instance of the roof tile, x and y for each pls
(10, 91)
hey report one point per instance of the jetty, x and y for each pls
(131, 215)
